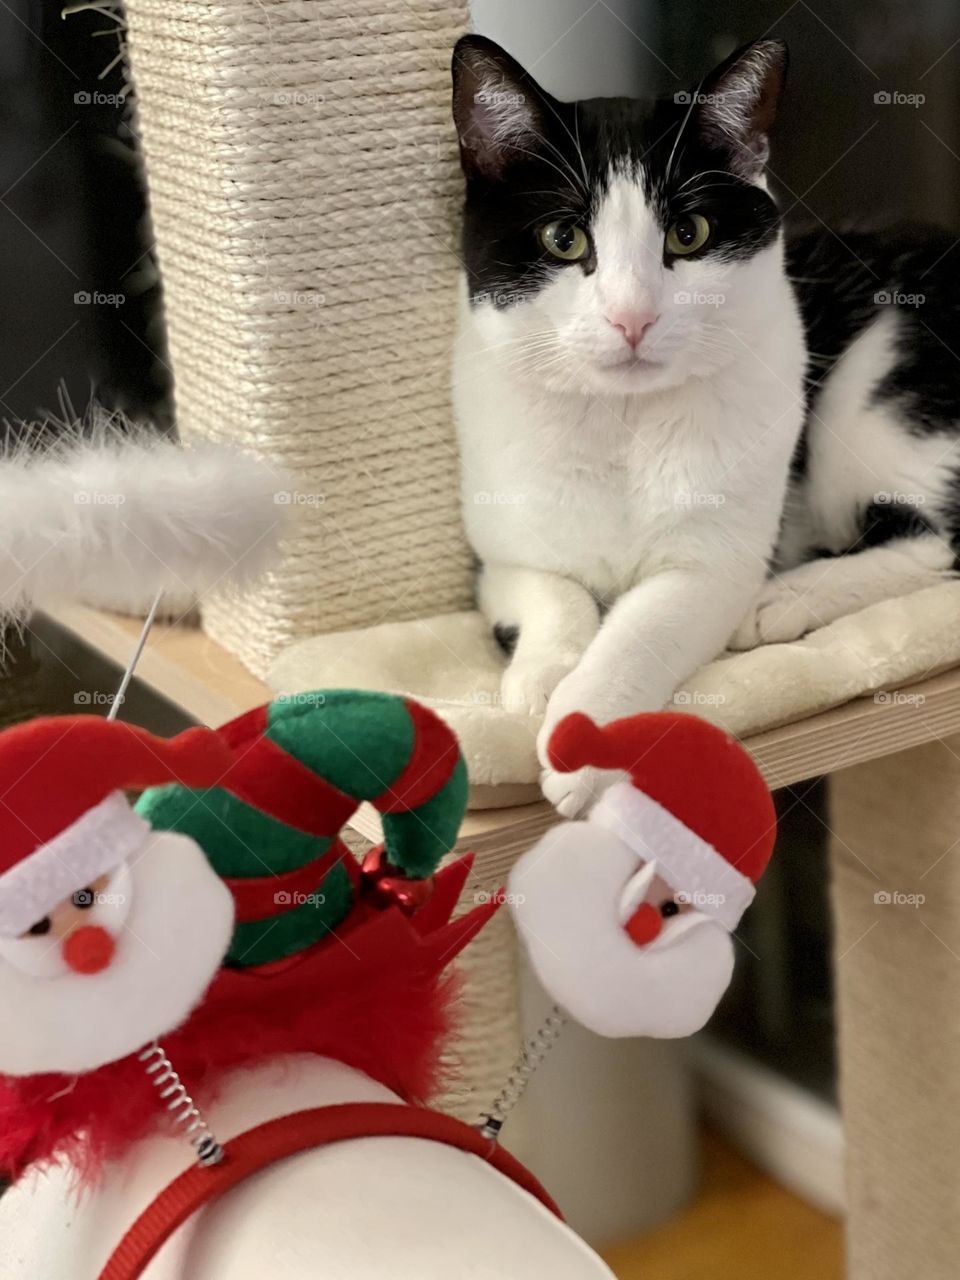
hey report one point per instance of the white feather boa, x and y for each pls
(113, 516)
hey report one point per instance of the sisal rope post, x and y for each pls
(304, 191)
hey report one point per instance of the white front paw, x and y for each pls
(574, 794)
(602, 700)
(528, 683)
(777, 616)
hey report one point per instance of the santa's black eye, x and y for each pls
(83, 898)
(41, 927)
(668, 909)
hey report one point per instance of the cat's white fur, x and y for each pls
(655, 487)
(859, 453)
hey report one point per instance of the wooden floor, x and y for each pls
(741, 1227)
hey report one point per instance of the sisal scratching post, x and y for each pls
(304, 193)
(897, 823)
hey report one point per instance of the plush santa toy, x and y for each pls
(627, 917)
(109, 931)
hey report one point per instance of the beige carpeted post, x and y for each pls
(896, 892)
(304, 193)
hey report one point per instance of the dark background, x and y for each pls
(72, 222)
(72, 209)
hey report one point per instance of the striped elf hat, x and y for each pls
(301, 766)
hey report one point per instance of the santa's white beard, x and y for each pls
(565, 894)
(170, 940)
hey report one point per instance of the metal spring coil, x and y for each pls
(534, 1052)
(180, 1105)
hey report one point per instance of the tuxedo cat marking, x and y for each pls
(873, 510)
(675, 429)
(628, 379)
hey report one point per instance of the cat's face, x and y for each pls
(614, 245)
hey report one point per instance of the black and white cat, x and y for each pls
(643, 433)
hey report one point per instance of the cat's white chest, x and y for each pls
(586, 494)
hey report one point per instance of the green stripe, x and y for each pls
(274, 938)
(237, 839)
(419, 838)
(361, 742)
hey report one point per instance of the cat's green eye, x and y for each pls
(688, 234)
(565, 240)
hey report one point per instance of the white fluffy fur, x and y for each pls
(113, 518)
(656, 486)
(565, 894)
(172, 926)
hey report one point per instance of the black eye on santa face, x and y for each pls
(84, 899)
(41, 928)
(669, 908)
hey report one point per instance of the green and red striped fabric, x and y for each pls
(302, 765)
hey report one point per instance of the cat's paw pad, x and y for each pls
(777, 616)
(574, 794)
(527, 685)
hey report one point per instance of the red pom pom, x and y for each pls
(88, 950)
(577, 741)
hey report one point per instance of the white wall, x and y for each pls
(575, 48)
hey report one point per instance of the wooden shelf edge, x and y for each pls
(195, 673)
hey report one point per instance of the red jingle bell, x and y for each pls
(385, 886)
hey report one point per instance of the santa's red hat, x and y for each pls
(64, 820)
(696, 804)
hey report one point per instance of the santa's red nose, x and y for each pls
(88, 950)
(644, 925)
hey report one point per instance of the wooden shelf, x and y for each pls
(209, 684)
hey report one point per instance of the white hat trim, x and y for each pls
(101, 839)
(698, 873)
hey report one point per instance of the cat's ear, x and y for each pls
(501, 113)
(738, 102)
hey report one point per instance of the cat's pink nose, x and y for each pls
(632, 324)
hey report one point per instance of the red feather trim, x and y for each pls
(373, 996)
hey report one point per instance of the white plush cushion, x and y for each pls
(452, 664)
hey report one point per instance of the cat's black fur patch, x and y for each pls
(844, 282)
(566, 177)
(881, 523)
(506, 637)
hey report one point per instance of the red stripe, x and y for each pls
(286, 1136)
(430, 767)
(244, 729)
(273, 781)
(256, 897)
